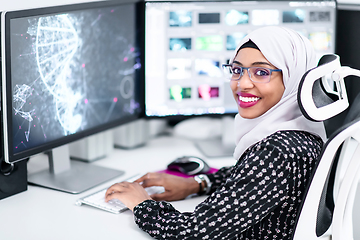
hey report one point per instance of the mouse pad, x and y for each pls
(212, 170)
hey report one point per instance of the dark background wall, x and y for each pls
(347, 46)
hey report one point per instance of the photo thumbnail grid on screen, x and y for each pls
(188, 41)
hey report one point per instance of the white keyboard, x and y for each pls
(97, 199)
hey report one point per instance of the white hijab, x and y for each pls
(294, 55)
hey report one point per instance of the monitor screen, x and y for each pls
(68, 72)
(187, 42)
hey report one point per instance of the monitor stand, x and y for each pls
(221, 146)
(71, 176)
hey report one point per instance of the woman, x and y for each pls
(258, 197)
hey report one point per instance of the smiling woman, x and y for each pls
(277, 107)
(255, 97)
(277, 148)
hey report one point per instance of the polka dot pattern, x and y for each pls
(257, 198)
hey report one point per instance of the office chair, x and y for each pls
(327, 206)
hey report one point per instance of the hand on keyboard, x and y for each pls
(130, 193)
(97, 200)
(150, 190)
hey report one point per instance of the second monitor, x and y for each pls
(186, 43)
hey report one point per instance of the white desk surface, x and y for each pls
(41, 213)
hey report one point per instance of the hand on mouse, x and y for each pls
(176, 188)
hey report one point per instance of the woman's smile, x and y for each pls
(247, 100)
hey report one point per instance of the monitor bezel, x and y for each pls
(6, 113)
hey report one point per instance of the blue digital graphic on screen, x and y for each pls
(234, 17)
(180, 44)
(208, 67)
(180, 19)
(296, 16)
(72, 72)
(233, 40)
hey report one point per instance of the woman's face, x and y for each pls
(254, 99)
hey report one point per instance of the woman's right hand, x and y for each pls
(176, 188)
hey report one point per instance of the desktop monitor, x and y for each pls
(69, 72)
(187, 42)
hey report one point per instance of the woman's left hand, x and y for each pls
(131, 194)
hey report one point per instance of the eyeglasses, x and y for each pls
(256, 74)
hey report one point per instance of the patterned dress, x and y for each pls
(257, 198)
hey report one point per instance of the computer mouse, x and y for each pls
(189, 165)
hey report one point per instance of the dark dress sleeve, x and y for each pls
(256, 185)
(219, 177)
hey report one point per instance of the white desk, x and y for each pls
(44, 214)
